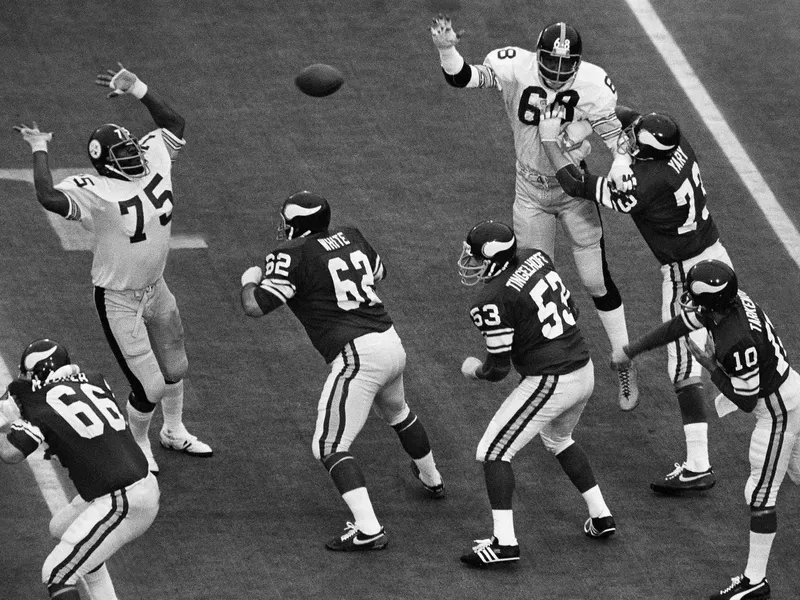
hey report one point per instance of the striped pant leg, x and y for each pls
(771, 445)
(682, 368)
(530, 407)
(364, 368)
(127, 338)
(108, 523)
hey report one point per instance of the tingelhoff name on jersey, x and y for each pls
(526, 270)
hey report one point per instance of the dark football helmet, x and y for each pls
(114, 152)
(41, 358)
(558, 53)
(488, 250)
(303, 213)
(651, 136)
(711, 285)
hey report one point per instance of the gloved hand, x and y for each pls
(122, 82)
(443, 34)
(620, 359)
(621, 175)
(470, 367)
(37, 139)
(253, 275)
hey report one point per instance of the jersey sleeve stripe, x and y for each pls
(499, 343)
(74, 213)
(691, 320)
(25, 436)
(279, 287)
(378, 272)
(171, 140)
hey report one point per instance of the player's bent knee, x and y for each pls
(393, 416)
(556, 445)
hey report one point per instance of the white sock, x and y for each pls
(172, 406)
(99, 585)
(359, 504)
(595, 503)
(427, 470)
(760, 546)
(139, 422)
(614, 323)
(697, 447)
(504, 527)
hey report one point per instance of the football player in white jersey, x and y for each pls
(127, 207)
(531, 83)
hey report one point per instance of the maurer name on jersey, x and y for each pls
(334, 242)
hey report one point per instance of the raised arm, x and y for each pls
(125, 82)
(457, 72)
(49, 197)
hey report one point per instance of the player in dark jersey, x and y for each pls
(749, 365)
(528, 319)
(327, 278)
(668, 206)
(76, 417)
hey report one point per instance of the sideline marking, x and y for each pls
(777, 218)
(75, 237)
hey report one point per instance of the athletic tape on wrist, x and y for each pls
(138, 89)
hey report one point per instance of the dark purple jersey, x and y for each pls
(528, 313)
(746, 348)
(328, 281)
(79, 420)
(668, 204)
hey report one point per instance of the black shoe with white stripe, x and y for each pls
(487, 553)
(741, 588)
(600, 527)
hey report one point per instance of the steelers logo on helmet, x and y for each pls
(558, 53)
(488, 250)
(115, 153)
(95, 149)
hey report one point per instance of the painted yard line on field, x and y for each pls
(712, 117)
(74, 237)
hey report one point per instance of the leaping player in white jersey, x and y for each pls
(127, 207)
(533, 83)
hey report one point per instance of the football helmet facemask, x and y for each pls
(41, 358)
(558, 52)
(488, 250)
(114, 152)
(302, 214)
(651, 136)
(711, 285)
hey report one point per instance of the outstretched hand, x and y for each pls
(621, 175)
(121, 82)
(37, 139)
(443, 34)
(550, 123)
(705, 357)
(620, 360)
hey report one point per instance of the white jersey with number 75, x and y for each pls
(130, 220)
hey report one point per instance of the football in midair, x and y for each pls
(319, 80)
